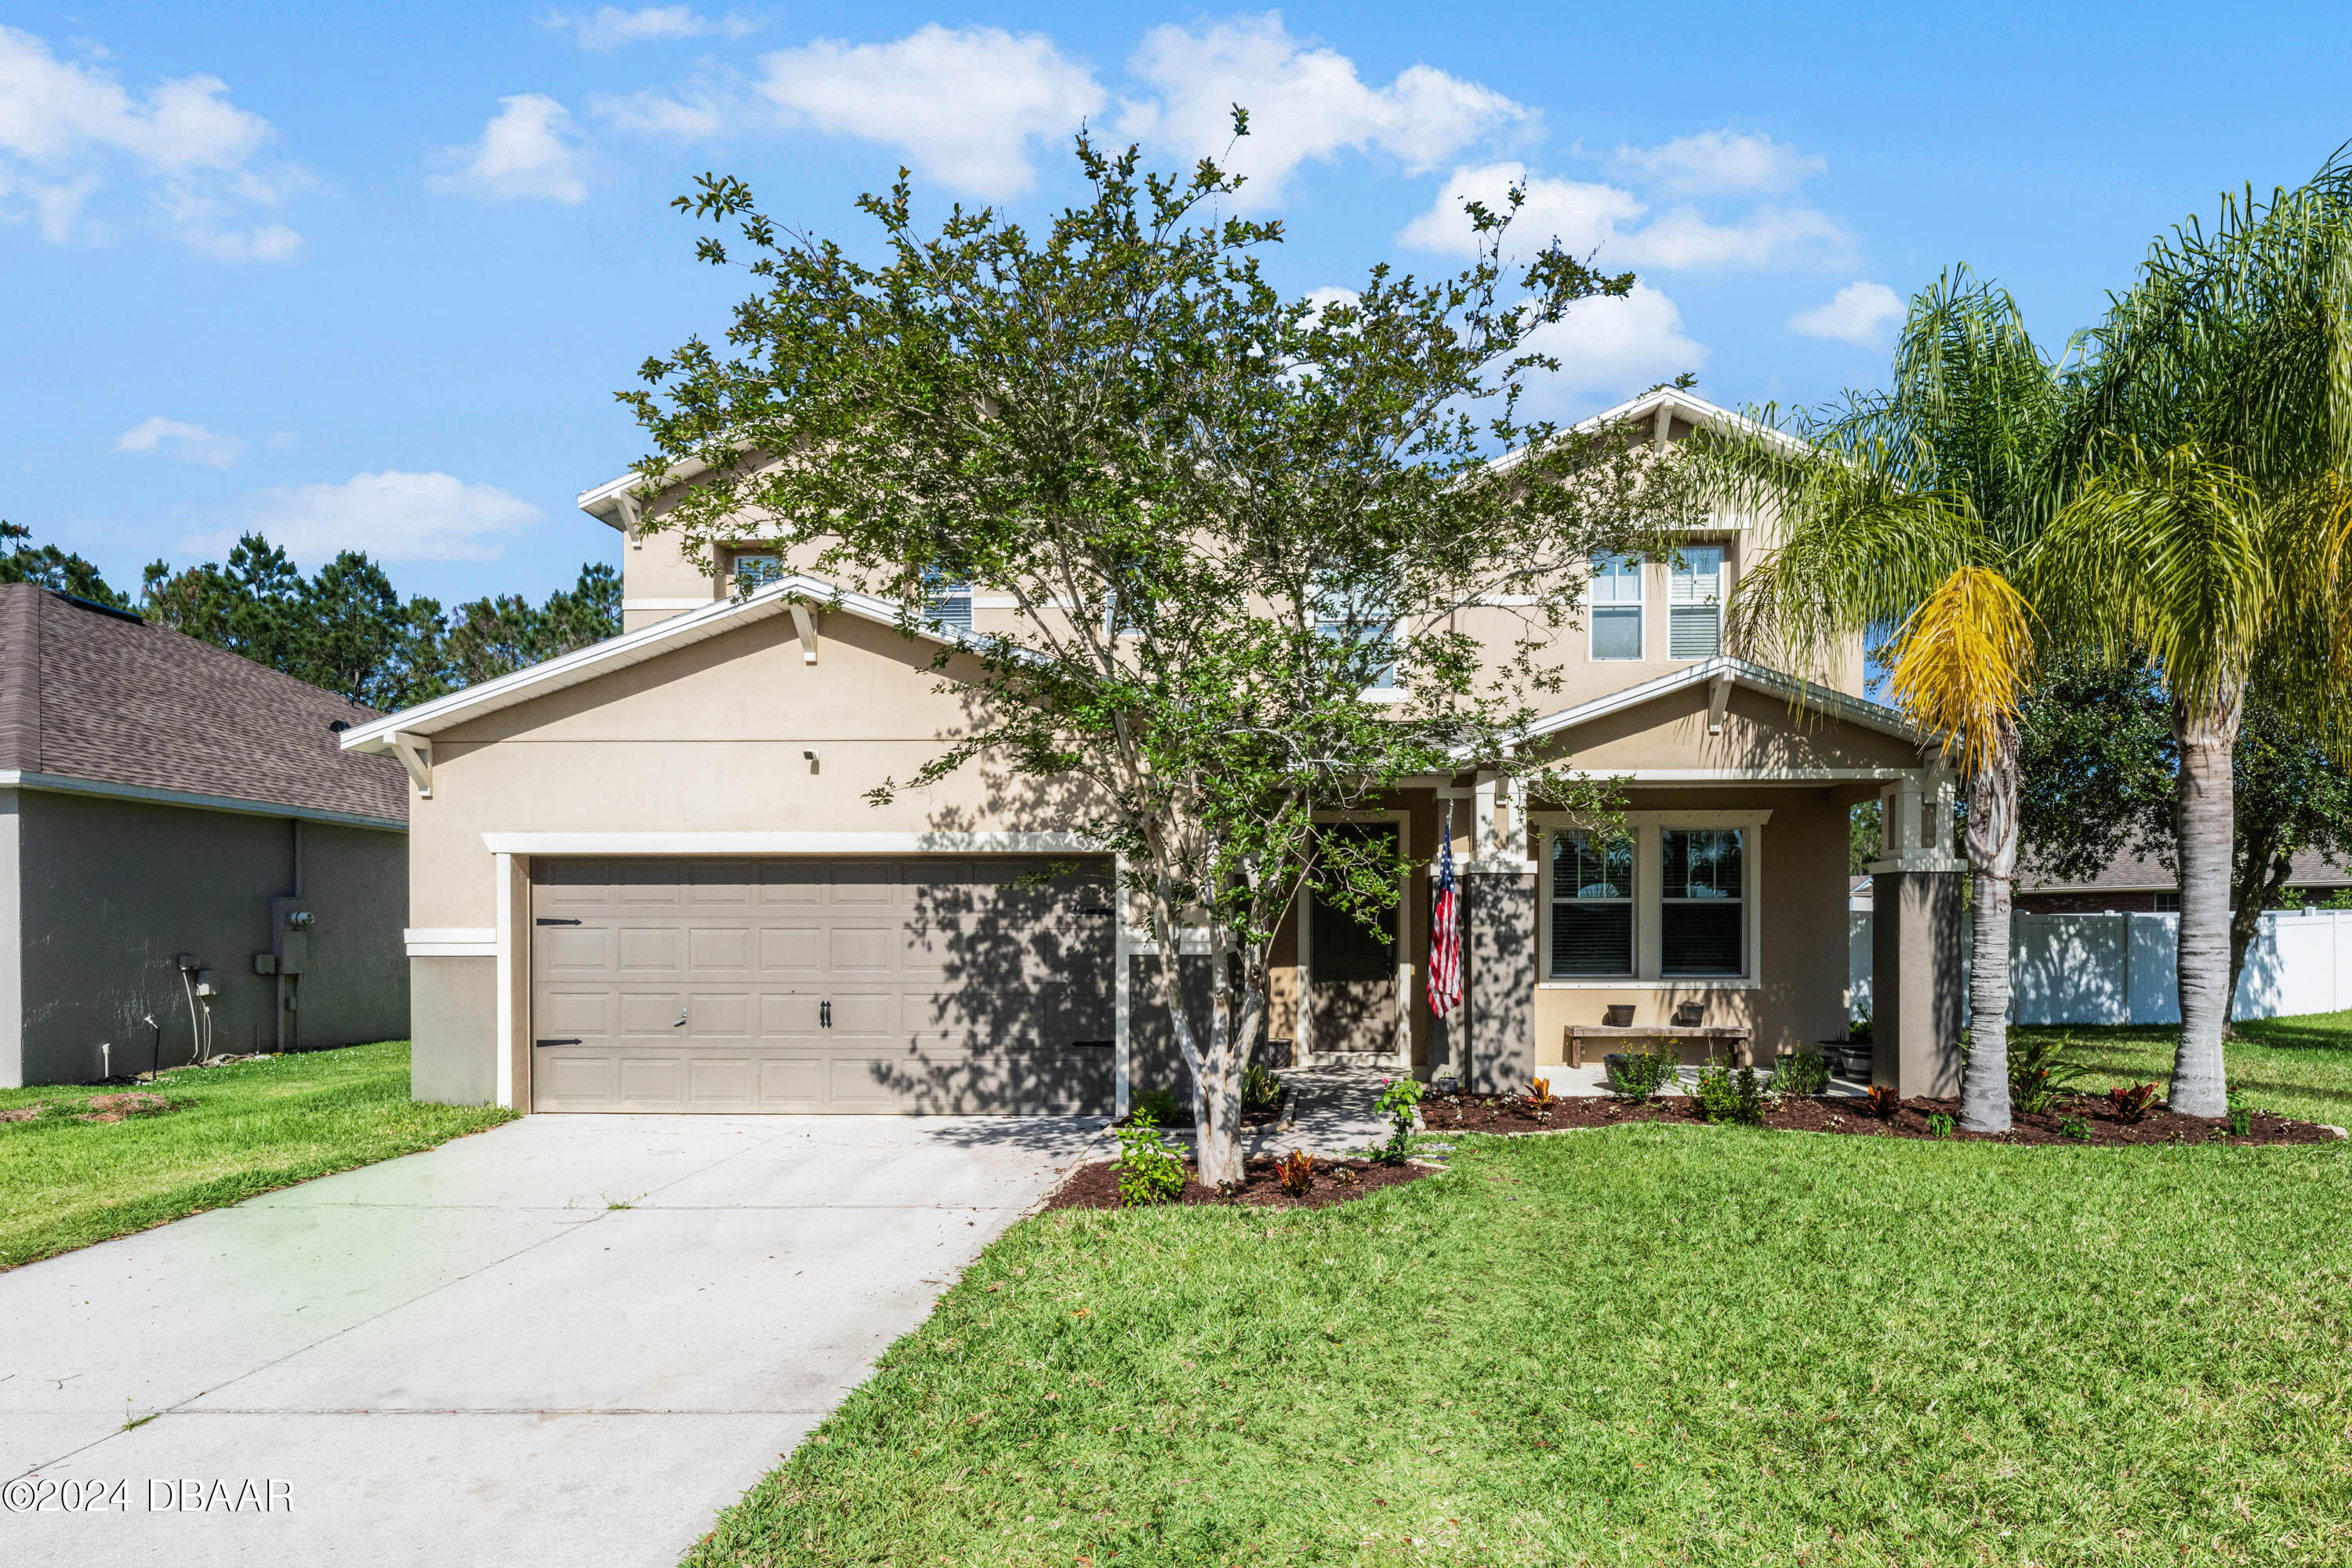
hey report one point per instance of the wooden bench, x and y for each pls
(1740, 1041)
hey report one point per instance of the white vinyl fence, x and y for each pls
(2121, 968)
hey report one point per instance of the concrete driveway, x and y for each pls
(568, 1341)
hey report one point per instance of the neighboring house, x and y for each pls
(2139, 884)
(174, 820)
(645, 876)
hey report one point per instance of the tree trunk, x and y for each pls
(1217, 1085)
(2204, 808)
(1992, 857)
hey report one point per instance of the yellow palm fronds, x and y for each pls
(1963, 659)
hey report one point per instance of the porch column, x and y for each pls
(1917, 939)
(1496, 1021)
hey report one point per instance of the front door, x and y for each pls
(1352, 966)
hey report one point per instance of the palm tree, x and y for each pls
(2212, 533)
(1912, 509)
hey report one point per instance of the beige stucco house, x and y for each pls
(644, 875)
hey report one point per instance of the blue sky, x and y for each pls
(369, 276)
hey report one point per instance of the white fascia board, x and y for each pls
(60, 784)
(1696, 410)
(633, 648)
(1821, 698)
(602, 502)
(758, 842)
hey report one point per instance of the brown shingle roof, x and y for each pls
(89, 695)
(2130, 872)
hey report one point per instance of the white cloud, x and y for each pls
(690, 113)
(610, 27)
(67, 128)
(176, 438)
(1859, 313)
(527, 149)
(392, 516)
(1305, 102)
(964, 103)
(1720, 163)
(1611, 347)
(1590, 217)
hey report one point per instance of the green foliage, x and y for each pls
(1157, 1102)
(1399, 1101)
(2074, 1127)
(1151, 1168)
(1858, 1028)
(2042, 1071)
(1802, 1073)
(1728, 1094)
(52, 568)
(347, 630)
(1640, 1075)
(1221, 514)
(1939, 1125)
(1261, 1089)
(2131, 1102)
(1863, 835)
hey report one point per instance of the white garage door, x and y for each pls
(914, 984)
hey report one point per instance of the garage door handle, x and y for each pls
(824, 1014)
(554, 923)
(555, 1042)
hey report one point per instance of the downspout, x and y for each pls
(277, 1040)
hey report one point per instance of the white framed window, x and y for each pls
(1591, 905)
(1359, 622)
(1675, 904)
(754, 570)
(1702, 913)
(946, 601)
(1616, 606)
(1695, 602)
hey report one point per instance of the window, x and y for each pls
(1616, 606)
(1591, 905)
(1701, 918)
(947, 601)
(755, 569)
(1361, 623)
(1695, 602)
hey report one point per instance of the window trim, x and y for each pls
(1649, 901)
(1631, 902)
(1747, 950)
(1639, 604)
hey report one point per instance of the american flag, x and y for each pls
(1445, 933)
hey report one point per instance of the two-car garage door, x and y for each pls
(864, 984)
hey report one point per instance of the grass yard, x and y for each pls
(236, 1130)
(1643, 1345)
(2299, 1067)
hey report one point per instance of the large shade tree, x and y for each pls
(1911, 509)
(2212, 535)
(1221, 516)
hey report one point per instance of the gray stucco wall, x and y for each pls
(453, 1030)
(12, 953)
(1498, 1014)
(111, 892)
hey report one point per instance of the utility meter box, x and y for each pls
(289, 937)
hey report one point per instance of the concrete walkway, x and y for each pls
(569, 1341)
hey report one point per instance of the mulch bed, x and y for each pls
(1512, 1113)
(1096, 1187)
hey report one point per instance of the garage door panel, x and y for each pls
(949, 990)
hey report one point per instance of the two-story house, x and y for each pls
(645, 876)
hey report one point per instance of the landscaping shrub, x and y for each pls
(1539, 1096)
(1149, 1171)
(1725, 1095)
(1803, 1073)
(1638, 1075)
(2131, 1104)
(1296, 1172)
(1939, 1125)
(2241, 1116)
(1159, 1104)
(1398, 1096)
(1884, 1101)
(2042, 1071)
(2074, 1127)
(1261, 1090)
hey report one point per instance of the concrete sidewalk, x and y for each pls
(568, 1341)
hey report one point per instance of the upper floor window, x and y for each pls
(1695, 602)
(1363, 624)
(947, 601)
(755, 569)
(1616, 606)
(1702, 923)
(1592, 904)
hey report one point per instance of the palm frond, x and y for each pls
(1963, 662)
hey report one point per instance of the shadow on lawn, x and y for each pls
(2137, 1053)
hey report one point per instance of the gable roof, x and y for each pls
(99, 701)
(1822, 699)
(602, 658)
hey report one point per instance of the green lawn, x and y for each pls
(1643, 1345)
(241, 1129)
(2298, 1066)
